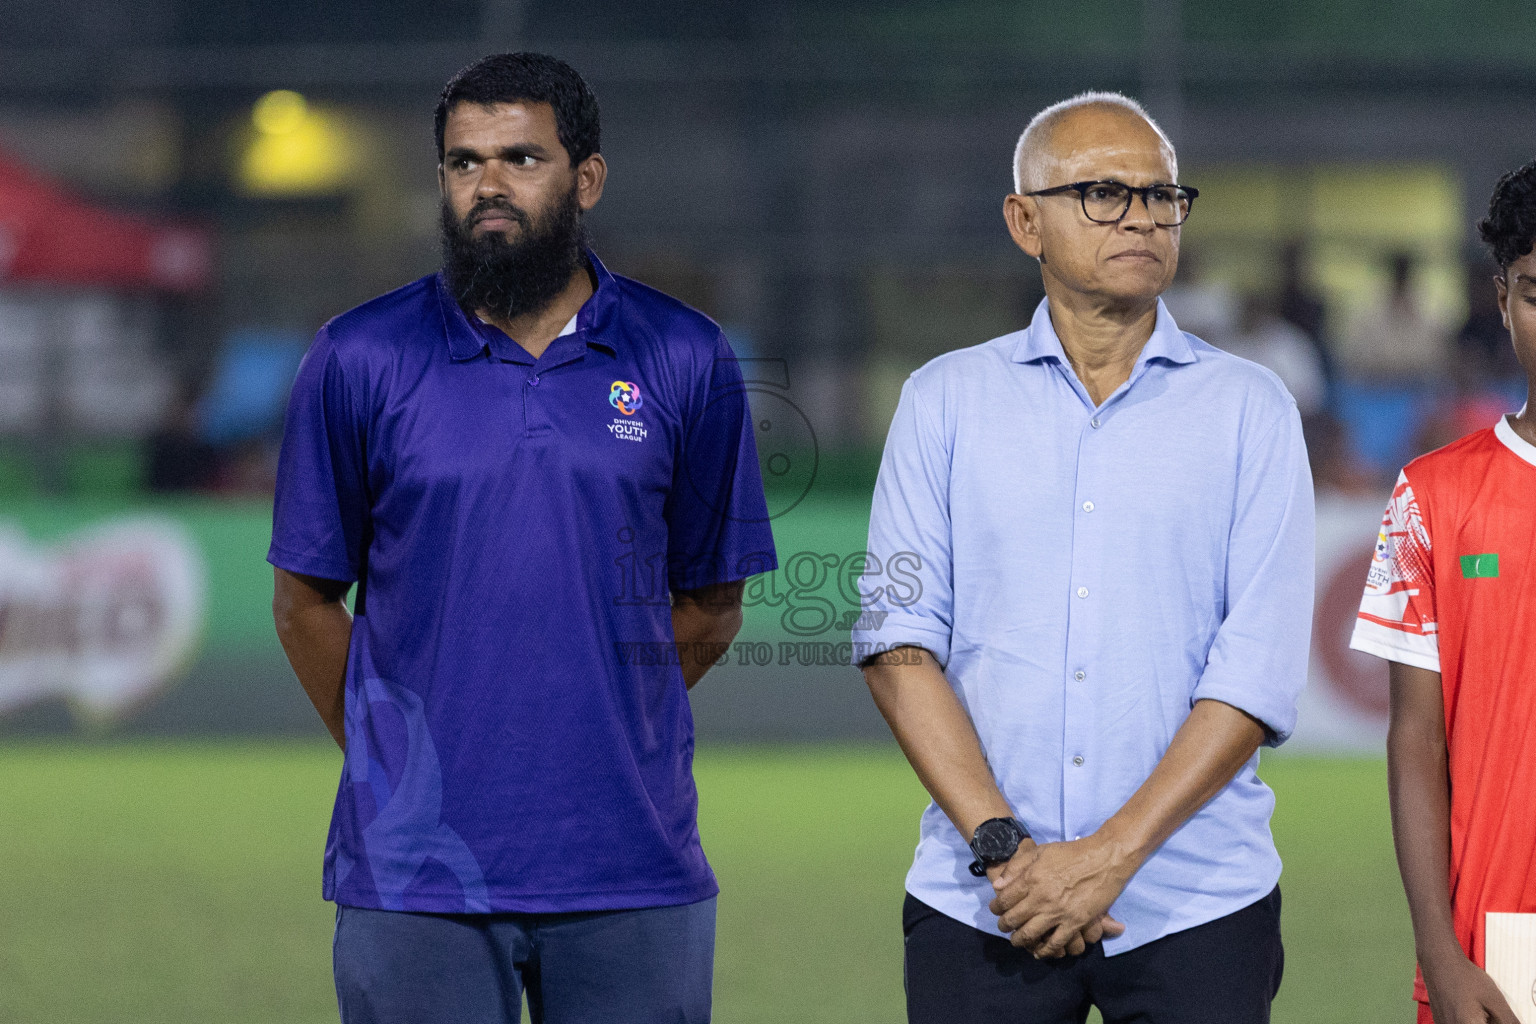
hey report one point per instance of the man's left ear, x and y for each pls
(591, 175)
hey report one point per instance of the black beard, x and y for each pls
(509, 278)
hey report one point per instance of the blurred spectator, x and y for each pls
(1336, 467)
(1485, 379)
(1468, 410)
(1272, 342)
(1303, 309)
(1483, 351)
(1204, 308)
(176, 458)
(248, 389)
(1395, 341)
(248, 467)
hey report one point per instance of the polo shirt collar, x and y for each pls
(596, 323)
(1039, 342)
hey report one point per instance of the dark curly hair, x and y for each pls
(1510, 227)
(528, 78)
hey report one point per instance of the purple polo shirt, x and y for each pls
(518, 733)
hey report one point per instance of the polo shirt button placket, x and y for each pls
(536, 417)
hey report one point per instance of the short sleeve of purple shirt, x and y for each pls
(321, 499)
(716, 500)
(518, 730)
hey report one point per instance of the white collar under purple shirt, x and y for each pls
(1087, 574)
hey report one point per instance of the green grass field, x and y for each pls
(173, 883)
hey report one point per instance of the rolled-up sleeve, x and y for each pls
(1258, 660)
(906, 592)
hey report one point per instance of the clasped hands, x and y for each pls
(1053, 899)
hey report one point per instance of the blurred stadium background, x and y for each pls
(188, 190)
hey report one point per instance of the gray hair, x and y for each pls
(1029, 156)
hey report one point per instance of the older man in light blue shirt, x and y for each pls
(1114, 523)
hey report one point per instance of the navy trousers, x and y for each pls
(651, 966)
(1226, 971)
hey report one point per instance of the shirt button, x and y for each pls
(1078, 760)
(533, 381)
(1080, 675)
(1082, 591)
(1087, 506)
(1094, 423)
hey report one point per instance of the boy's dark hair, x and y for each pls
(529, 78)
(1510, 227)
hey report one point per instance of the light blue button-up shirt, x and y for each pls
(1087, 574)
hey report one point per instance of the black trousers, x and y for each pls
(1224, 972)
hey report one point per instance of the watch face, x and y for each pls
(996, 840)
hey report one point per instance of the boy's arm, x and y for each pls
(1419, 786)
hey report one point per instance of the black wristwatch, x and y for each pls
(995, 841)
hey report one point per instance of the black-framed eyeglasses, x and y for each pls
(1107, 202)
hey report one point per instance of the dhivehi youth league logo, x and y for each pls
(625, 397)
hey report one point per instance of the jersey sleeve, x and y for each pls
(1397, 618)
(320, 507)
(716, 513)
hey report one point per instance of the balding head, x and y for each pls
(1093, 117)
(1125, 262)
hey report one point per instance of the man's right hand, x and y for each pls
(1013, 868)
(1460, 992)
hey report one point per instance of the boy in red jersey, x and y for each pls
(1451, 602)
